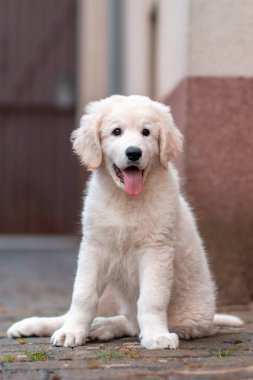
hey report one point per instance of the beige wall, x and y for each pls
(92, 51)
(221, 38)
(171, 61)
(172, 45)
(136, 49)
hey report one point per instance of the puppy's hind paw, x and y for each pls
(26, 327)
(167, 340)
(102, 329)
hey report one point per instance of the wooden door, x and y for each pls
(39, 175)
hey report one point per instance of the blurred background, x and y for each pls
(195, 55)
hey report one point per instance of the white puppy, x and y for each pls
(139, 235)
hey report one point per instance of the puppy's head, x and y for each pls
(127, 135)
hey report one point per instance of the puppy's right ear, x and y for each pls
(86, 142)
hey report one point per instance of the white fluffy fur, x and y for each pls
(147, 247)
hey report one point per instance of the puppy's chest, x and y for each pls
(122, 250)
(117, 227)
(123, 241)
(122, 268)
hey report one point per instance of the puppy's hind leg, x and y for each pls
(122, 324)
(35, 326)
(112, 327)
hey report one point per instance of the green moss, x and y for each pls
(109, 355)
(37, 356)
(8, 359)
(222, 353)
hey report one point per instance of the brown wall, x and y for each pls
(39, 190)
(39, 175)
(218, 168)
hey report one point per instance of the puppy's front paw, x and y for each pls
(26, 327)
(167, 340)
(68, 337)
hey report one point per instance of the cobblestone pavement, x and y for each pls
(41, 283)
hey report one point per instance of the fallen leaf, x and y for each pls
(21, 341)
(191, 364)
(92, 364)
(130, 353)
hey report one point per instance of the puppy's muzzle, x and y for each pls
(133, 153)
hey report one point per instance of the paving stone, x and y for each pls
(47, 290)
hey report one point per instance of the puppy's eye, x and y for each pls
(116, 132)
(146, 132)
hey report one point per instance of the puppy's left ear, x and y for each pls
(86, 142)
(171, 139)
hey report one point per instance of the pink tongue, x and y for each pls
(133, 181)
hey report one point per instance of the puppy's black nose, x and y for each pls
(133, 153)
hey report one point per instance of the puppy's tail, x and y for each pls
(227, 320)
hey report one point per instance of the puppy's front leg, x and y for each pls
(156, 275)
(84, 301)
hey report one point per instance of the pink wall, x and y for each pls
(216, 117)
